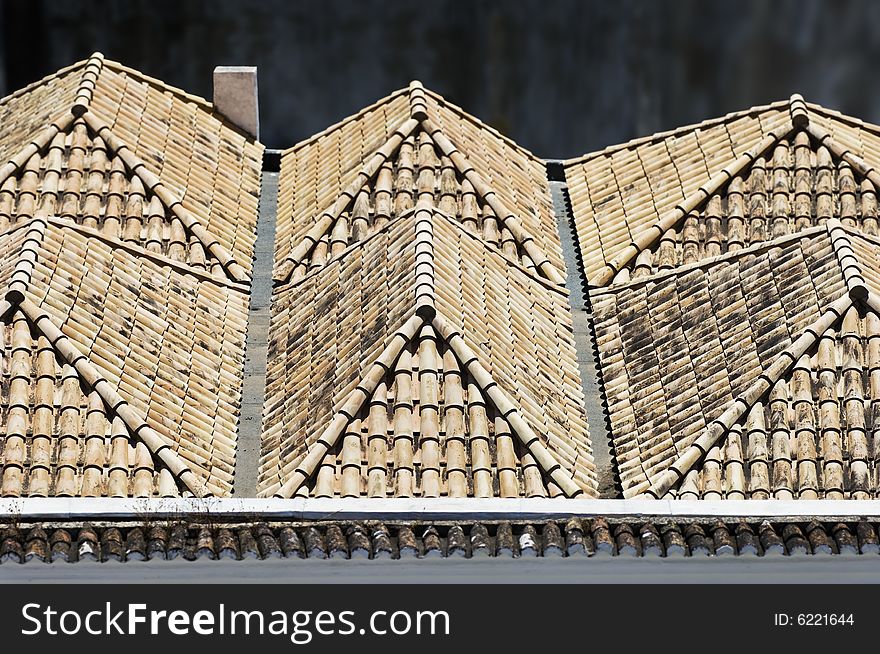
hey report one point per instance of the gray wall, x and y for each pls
(562, 77)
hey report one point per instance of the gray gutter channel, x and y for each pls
(254, 386)
(584, 337)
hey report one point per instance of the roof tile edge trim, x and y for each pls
(422, 540)
(859, 164)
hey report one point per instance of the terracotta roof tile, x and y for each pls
(167, 343)
(204, 164)
(24, 114)
(574, 539)
(734, 332)
(618, 195)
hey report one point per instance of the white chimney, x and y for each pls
(235, 96)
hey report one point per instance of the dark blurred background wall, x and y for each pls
(561, 77)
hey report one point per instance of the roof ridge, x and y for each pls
(174, 204)
(663, 481)
(30, 87)
(680, 211)
(27, 259)
(418, 103)
(86, 89)
(708, 262)
(798, 110)
(372, 107)
(506, 407)
(92, 377)
(425, 289)
(349, 408)
(659, 136)
(154, 81)
(329, 216)
(872, 302)
(482, 125)
(849, 262)
(503, 213)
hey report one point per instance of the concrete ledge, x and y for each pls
(579, 570)
(59, 510)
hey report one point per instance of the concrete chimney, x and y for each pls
(235, 96)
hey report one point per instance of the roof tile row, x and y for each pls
(596, 538)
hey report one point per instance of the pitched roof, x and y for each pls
(422, 361)
(162, 347)
(705, 367)
(732, 270)
(620, 194)
(123, 320)
(347, 182)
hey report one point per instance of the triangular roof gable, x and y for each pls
(677, 348)
(664, 209)
(797, 183)
(619, 194)
(448, 438)
(76, 176)
(403, 148)
(404, 286)
(215, 201)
